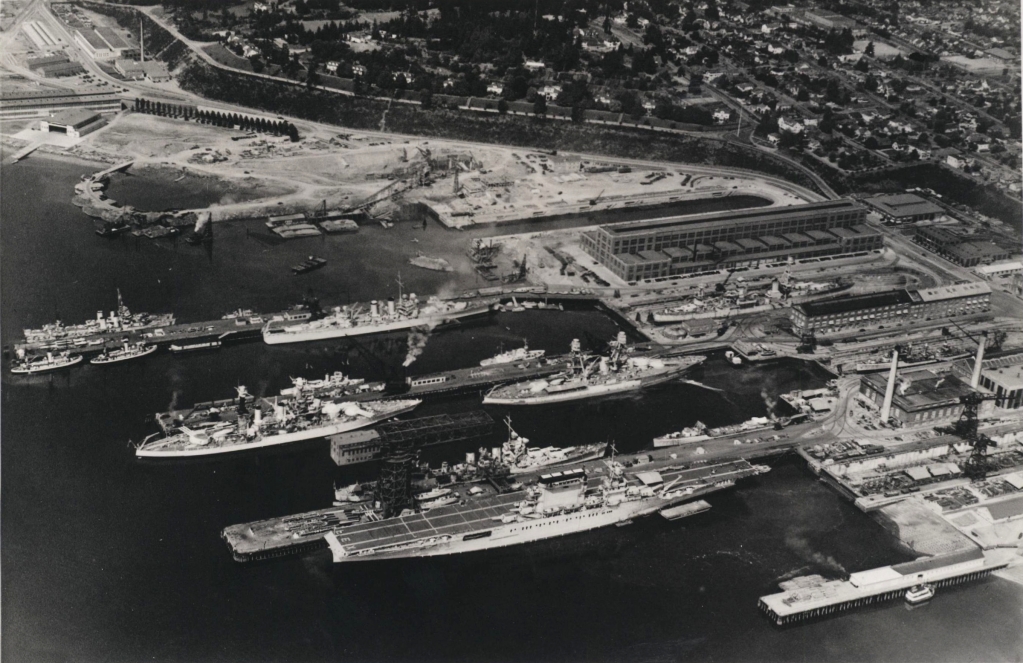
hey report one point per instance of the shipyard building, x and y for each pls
(919, 397)
(958, 248)
(698, 242)
(889, 309)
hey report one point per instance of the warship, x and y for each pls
(404, 313)
(270, 422)
(573, 500)
(512, 356)
(120, 320)
(589, 377)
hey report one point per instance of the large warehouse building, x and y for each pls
(889, 309)
(920, 396)
(686, 244)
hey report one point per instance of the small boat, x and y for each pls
(49, 362)
(195, 347)
(124, 354)
(919, 594)
(309, 265)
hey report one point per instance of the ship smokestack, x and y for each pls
(390, 305)
(374, 308)
(889, 392)
(978, 363)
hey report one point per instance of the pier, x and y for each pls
(810, 597)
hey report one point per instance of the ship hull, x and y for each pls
(592, 391)
(100, 361)
(660, 442)
(503, 535)
(277, 440)
(494, 361)
(283, 336)
(46, 369)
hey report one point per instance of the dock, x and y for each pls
(810, 597)
(365, 445)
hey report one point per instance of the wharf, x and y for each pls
(809, 597)
(278, 537)
(364, 445)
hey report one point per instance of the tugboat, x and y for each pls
(919, 594)
(124, 354)
(50, 362)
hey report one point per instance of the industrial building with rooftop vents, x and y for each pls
(698, 242)
(919, 396)
(889, 309)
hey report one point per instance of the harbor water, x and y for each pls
(109, 559)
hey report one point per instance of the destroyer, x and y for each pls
(270, 423)
(405, 313)
(691, 435)
(574, 500)
(45, 364)
(512, 356)
(589, 377)
(120, 320)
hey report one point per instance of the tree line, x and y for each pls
(217, 118)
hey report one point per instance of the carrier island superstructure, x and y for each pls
(491, 513)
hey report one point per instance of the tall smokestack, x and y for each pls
(142, 42)
(886, 407)
(978, 363)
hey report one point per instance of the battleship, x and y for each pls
(120, 320)
(336, 386)
(559, 503)
(512, 356)
(589, 377)
(43, 364)
(125, 353)
(405, 313)
(270, 423)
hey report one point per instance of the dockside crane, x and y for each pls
(966, 428)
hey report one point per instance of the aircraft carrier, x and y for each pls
(653, 480)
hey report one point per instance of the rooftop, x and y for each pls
(954, 291)
(920, 390)
(904, 204)
(74, 117)
(855, 303)
(1009, 378)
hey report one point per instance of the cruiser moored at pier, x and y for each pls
(512, 356)
(589, 377)
(404, 313)
(122, 320)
